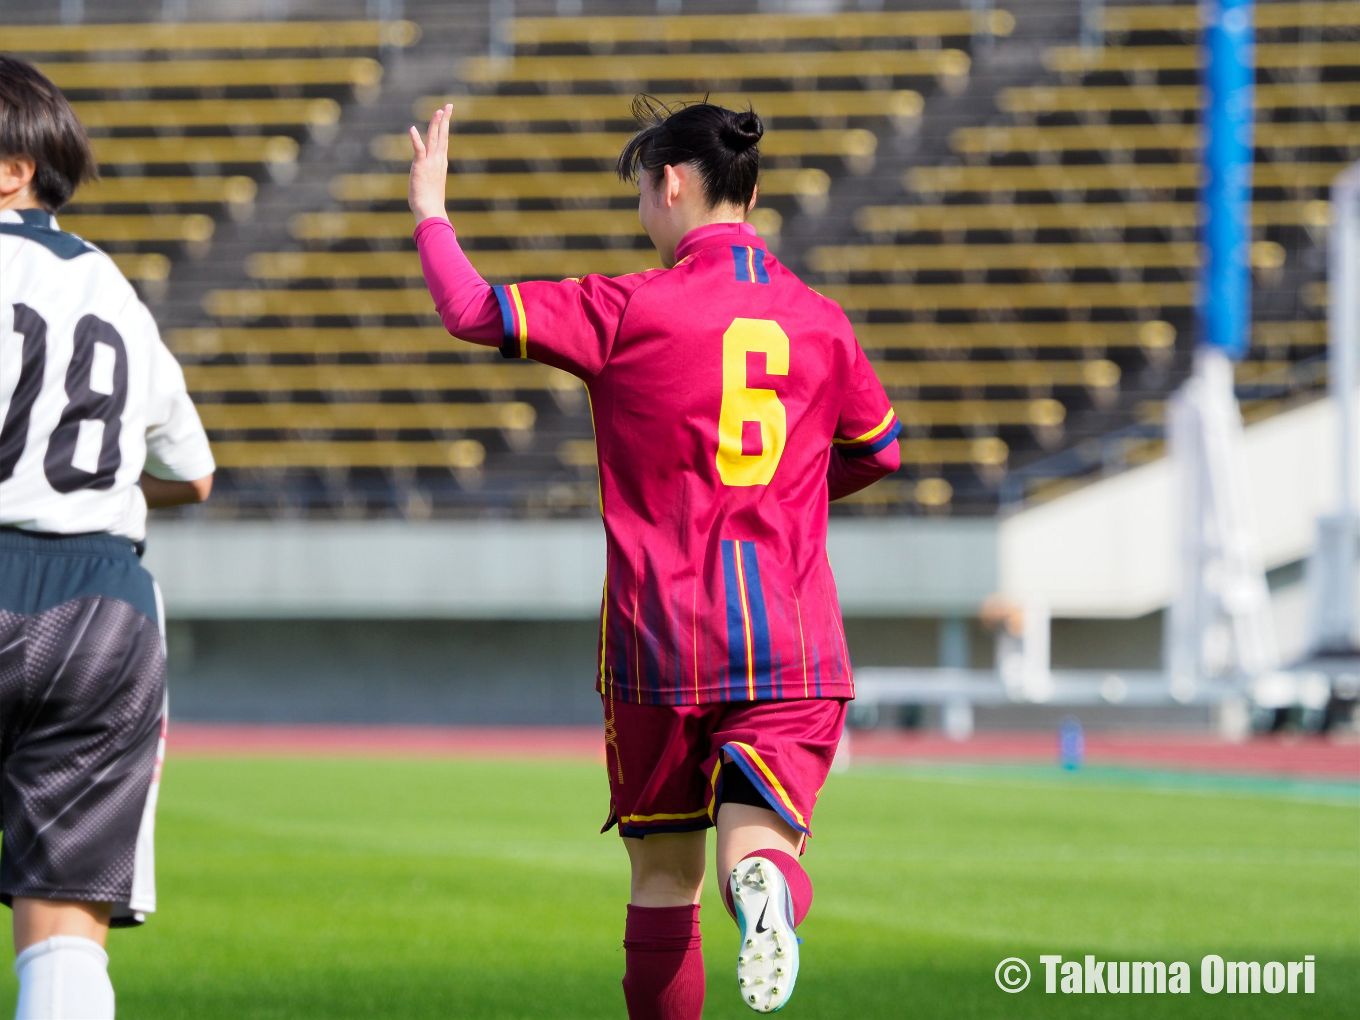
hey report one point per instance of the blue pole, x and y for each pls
(1225, 281)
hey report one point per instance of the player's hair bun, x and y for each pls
(723, 144)
(742, 130)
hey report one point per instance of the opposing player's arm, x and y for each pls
(865, 446)
(161, 492)
(179, 462)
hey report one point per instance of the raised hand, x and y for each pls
(430, 168)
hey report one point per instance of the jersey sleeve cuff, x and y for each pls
(515, 330)
(871, 442)
(189, 470)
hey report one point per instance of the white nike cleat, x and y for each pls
(767, 961)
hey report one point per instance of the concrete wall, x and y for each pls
(537, 570)
(1109, 549)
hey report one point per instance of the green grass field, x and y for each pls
(334, 888)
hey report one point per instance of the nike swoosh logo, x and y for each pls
(760, 924)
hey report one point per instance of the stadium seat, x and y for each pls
(307, 304)
(1173, 98)
(460, 454)
(1186, 17)
(196, 151)
(1275, 335)
(163, 191)
(181, 113)
(1098, 374)
(902, 105)
(629, 69)
(206, 342)
(988, 452)
(199, 74)
(865, 297)
(1152, 335)
(852, 143)
(1044, 413)
(1022, 218)
(578, 453)
(512, 416)
(564, 187)
(1132, 137)
(1104, 177)
(376, 378)
(193, 228)
(889, 258)
(1186, 58)
(333, 226)
(143, 267)
(758, 28)
(206, 36)
(528, 264)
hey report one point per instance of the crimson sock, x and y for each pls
(800, 885)
(664, 979)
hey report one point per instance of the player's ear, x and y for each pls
(16, 173)
(755, 195)
(670, 184)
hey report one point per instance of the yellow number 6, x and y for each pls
(741, 403)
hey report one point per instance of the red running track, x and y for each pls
(1321, 757)
(1291, 756)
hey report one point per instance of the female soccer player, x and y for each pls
(730, 403)
(95, 427)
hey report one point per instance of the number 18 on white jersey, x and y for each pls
(89, 395)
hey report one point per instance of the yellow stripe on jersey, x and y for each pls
(625, 819)
(523, 323)
(775, 784)
(746, 626)
(876, 430)
(713, 786)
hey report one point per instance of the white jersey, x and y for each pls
(89, 395)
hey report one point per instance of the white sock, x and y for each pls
(64, 978)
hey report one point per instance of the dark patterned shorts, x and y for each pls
(82, 699)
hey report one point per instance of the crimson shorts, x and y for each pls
(665, 761)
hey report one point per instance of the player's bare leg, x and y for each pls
(668, 869)
(664, 979)
(767, 891)
(60, 960)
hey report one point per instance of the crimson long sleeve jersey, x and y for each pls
(730, 403)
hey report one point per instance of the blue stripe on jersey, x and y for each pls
(760, 626)
(509, 340)
(878, 444)
(762, 275)
(739, 256)
(736, 634)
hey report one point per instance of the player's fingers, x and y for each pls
(432, 141)
(444, 130)
(416, 143)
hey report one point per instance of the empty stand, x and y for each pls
(536, 195)
(1025, 294)
(1028, 289)
(610, 32)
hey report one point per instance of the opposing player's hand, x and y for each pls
(430, 168)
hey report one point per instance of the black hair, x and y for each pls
(36, 121)
(724, 145)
